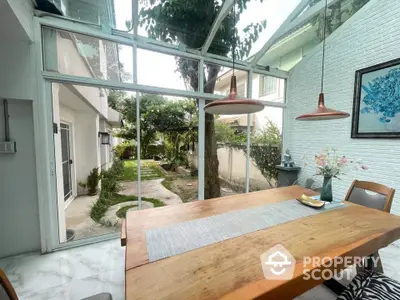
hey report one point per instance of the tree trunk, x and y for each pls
(190, 70)
(212, 187)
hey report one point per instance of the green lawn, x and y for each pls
(149, 170)
(121, 213)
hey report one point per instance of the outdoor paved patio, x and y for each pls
(78, 212)
(78, 218)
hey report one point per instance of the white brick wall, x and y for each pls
(371, 36)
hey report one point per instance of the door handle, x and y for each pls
(70, 161)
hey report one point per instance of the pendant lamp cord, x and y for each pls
(234, 36)
(323, 47)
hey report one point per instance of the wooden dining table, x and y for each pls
(232, 269)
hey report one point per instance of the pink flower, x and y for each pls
(364, 167)
(321, 162)
(343, 160)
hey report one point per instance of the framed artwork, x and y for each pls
(376, 107)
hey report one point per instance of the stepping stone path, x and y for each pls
(151, 189)
(111, 214)
(147, 173)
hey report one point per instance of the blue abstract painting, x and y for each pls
(379, 101)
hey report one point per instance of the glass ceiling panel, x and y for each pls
(178, 22)
(291, 48)
(113, 13)
(312, 3)
(250, 27)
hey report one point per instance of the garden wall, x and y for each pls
(232, 168)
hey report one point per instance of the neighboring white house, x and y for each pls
(265, 88)
(80, 115)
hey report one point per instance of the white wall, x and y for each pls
(16, 69)
(19, 212)
(87, 148)
(370, 37)
(232, 168)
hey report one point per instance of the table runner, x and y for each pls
(182, 237)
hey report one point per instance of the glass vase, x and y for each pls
(326, 192)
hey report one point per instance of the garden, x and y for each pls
(168, 158)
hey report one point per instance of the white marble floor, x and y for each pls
(81, 272)
(69, 275)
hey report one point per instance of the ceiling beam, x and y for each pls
(225, 9)
(290, 23)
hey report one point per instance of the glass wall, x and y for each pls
(225, 136)
(82, 55)
(163, 70)
(169, 150)
(90, 139)
(255, 25)
(265, 147)
(217, 80)
(87, 129)
(178, 22)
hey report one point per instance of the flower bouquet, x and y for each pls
(331, 165)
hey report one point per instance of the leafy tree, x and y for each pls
(227, 135)
(158, 116)
(115, 98)
(188, 22)
(265, 146)
(266, 151)
(148, 133)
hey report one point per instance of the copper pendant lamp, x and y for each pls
(232, 104)
(322, 112)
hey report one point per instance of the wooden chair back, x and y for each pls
(7, 291)
(382, 199)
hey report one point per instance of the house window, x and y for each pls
(268, 85)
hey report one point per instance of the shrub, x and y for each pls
(93, 181)
(125, 150)
(111, 178)
(154, 150)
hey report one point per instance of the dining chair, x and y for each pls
(7, 291)
(372, 195)
(312, 185)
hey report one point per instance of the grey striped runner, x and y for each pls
(178, 238)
